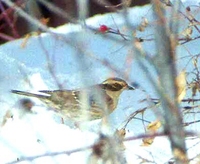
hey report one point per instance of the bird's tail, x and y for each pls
(30, 94)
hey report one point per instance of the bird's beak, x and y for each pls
(130, 88)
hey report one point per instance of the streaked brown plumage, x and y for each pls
(84, 104)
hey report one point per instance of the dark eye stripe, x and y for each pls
(113, 87)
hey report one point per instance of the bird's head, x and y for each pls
(113, 87)
(116, 85)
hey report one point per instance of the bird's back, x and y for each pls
(75, 104)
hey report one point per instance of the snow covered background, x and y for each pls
(25, 68)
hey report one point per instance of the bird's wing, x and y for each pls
(29, 94)
(65, 96)
(49, 91)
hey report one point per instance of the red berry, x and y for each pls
(103, 28)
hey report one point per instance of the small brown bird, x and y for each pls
(89, 103)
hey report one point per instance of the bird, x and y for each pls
(90, 103)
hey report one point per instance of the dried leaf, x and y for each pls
(141, 28)
(194, 23)
(154, 126)
(138, 45)
(187, 32)
(195, 61)
(27, 37)
(143, 24)
(44, 21)
(181, 86)
(179, 154)
(121, 133)
(6, 117)
(147, 141)
(195, 87)
(25, 40)
(194, 91)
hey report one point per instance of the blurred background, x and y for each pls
(13, 26)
